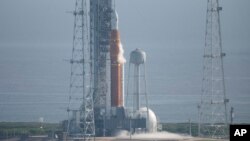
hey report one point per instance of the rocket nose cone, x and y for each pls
(114, 20)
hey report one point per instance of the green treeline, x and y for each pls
(181, 128)
(19, 129)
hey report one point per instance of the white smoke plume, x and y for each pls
(121, 58)
(155, 136)
(161, 135)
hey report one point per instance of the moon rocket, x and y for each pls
(117, 61)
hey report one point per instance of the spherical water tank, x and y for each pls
(152, 120)
(137, 57)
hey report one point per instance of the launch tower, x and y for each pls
(100, 28)
(81, 124)
(213, 107)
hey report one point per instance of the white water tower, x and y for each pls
(137, 65)
(137, 99)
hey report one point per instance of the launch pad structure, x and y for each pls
(96, 97)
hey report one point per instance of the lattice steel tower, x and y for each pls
(213, 107)
(81, 85)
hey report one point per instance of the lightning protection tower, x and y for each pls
(213, 107)
(82, 124)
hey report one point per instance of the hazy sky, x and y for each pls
(46, 20)
(36, 36)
